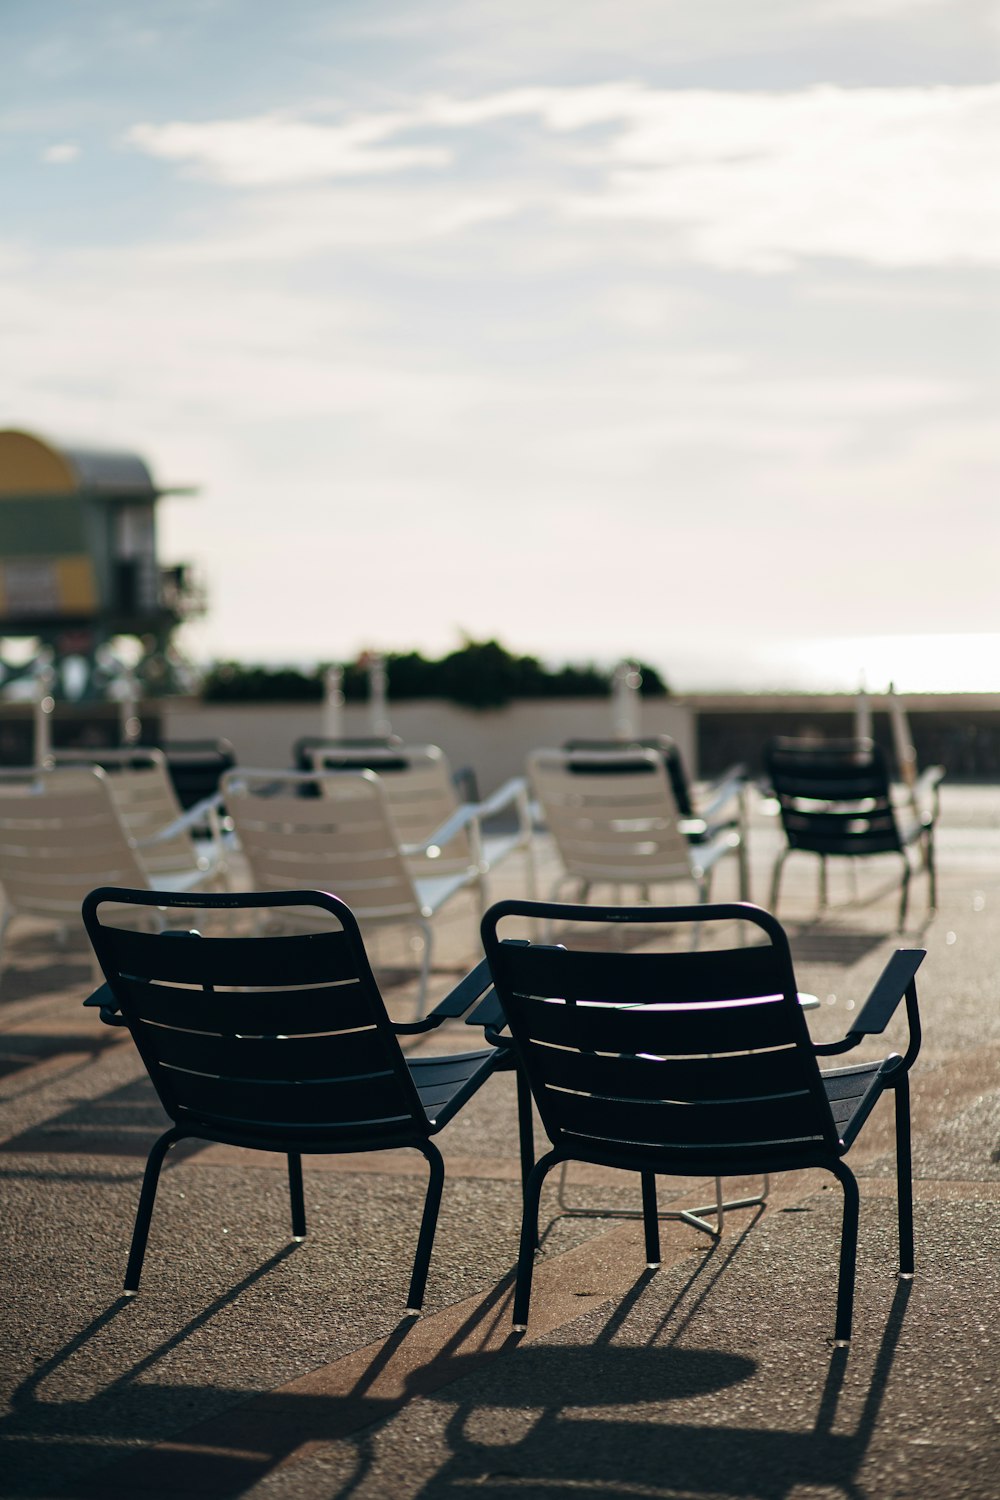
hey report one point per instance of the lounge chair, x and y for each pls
(614, 821)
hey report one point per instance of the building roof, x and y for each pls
(32, 465)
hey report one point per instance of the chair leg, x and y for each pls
(904, 1178)
(525, 1129)
(428, 1224)
(529, 1239)
(848, 1255)
(650, 1220)
(931, 870)
(742, 855)
(904, 895)
(779, 865)
(425, 969)
(296, 1195)
(144, 1213)
(824, 894)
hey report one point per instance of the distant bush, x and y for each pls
(481, 674)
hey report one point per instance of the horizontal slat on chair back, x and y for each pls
(147, 803)
(855, 832)
(834, 798)
(60, 841)
(257, 1035)
(609, 824)
(341, 841)
(678, 1053)
(419, 794)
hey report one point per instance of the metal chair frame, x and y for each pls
(693, 1063)
(280, 1043)
(835, 801)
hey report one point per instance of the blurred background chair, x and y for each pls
(340, 838)
(835, 801)
(172, 839)
(420, 790)
(706, 808)
(61, 834)
(196, 768)
(615, 822)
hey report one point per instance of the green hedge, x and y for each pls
(481, 674)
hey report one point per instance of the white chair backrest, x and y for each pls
(143, 793)
(60, 839)
(611, 822)
(419, 793)
(327, 831)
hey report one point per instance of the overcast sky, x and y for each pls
(657, 328)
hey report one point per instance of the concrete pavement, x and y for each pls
(249, 1366)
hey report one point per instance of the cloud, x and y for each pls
(273, 148)
(60, 152)
(754, 181)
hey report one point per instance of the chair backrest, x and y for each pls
(268, 1040)
(144, 796)
(419, 791)
(658, 1054)
(611, 821)
(59, 837)
(340, 839)
(354, 751)
(665, 747)
(196, 767)
(833, 796)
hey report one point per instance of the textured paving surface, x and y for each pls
(250, 1366)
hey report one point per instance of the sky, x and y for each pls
(643, 328)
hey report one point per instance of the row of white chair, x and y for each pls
(387, 833)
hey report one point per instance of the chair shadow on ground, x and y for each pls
(575, 1440)
(558, 1396)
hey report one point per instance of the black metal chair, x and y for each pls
(196, 767)
(692, 1063)
(835, 801)
(281, 1043)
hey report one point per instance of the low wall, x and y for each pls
(959, 731)
(494, 743)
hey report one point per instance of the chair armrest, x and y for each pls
(927, 789)
(894, 983)
(720, 793)
(512, 792)
(197, 814)
(466, 994)
(105, 998)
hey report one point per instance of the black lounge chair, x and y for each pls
(692, 1063)
(280, 1043)
(835, 801)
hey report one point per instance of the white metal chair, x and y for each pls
(61, 834)
(143, 792)
(617, 823)
(424, 805)
(334, 831)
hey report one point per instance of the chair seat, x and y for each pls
(853, 1092)
(444, 1083)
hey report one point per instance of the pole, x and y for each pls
(44, 705)
(625, 700)
(378, 695)
(333, 703)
